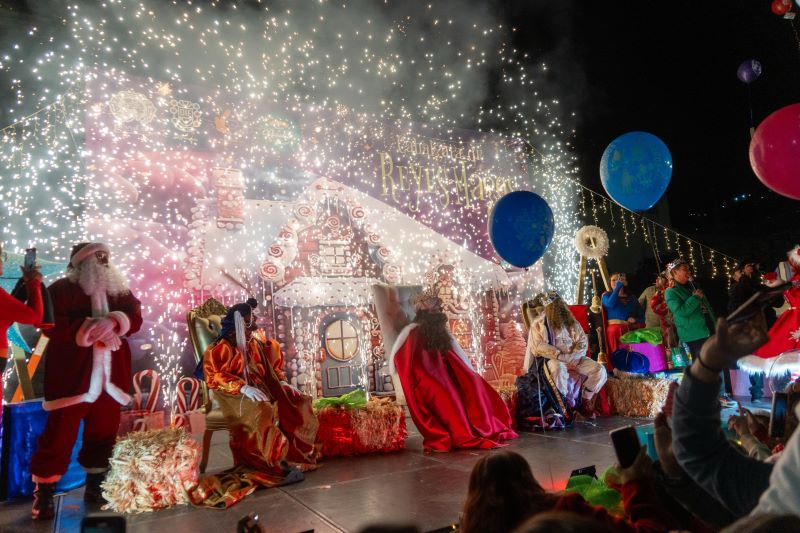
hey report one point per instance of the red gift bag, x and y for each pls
(188, 410)
(143, 417)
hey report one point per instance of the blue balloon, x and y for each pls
(521, 227)
(635, 170)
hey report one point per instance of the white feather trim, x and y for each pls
(774, 366)
(591, 242)
(753, 364)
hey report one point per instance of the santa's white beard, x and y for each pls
(94, 277)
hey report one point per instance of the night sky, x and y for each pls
(669, 68)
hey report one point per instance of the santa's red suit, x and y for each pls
(87, 371)
(784, 335)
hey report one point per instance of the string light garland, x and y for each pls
(639, 219)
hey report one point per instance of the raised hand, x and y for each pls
(730, 343)
(663, 441)
(31, 273)
(642, 468)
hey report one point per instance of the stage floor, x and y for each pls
(346, 494)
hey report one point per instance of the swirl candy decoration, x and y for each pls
(592, 242)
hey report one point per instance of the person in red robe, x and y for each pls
(451, 405)
(87, 372)
(272, 426)
(12, 310)
(658, 304)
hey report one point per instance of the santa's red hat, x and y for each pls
(85, 249)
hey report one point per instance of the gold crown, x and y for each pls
(545, 298)
(425, 298)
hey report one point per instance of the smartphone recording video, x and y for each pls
(780, 411)
(30, 258)
(626, 445)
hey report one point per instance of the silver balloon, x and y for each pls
(783, 370)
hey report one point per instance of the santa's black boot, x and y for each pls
(92, 493)
(43, 508)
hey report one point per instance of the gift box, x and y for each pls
(143, 415)
(188, 411)
(653, 352)
(23, 424)
(639, 397)
(378, 426)
(151, 470)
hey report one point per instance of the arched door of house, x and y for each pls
(342, 369)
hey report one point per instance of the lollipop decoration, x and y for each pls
(591, 243)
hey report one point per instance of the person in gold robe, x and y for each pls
(272, 425)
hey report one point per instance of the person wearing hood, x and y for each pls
(272, 425)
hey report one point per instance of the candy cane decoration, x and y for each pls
(183, 406)
(155, 390)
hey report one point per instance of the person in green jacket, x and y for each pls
(692, 312)
(690, 308)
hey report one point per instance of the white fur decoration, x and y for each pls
(774, 366)
(794, 256)
(753, 364)
(583, 242)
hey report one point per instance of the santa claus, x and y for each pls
(87, 372)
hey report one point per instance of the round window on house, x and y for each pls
(341, 340)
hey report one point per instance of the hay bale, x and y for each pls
(151, 470)
(638, 397)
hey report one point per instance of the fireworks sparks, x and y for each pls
(140, 99)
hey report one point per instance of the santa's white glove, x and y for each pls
(254, 393)
(110, 341)
(101, 328)
(94, 329)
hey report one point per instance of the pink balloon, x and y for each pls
(775, 151)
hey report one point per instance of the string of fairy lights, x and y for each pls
(596, 208)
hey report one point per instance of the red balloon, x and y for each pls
(775, 151)
(781, 7)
